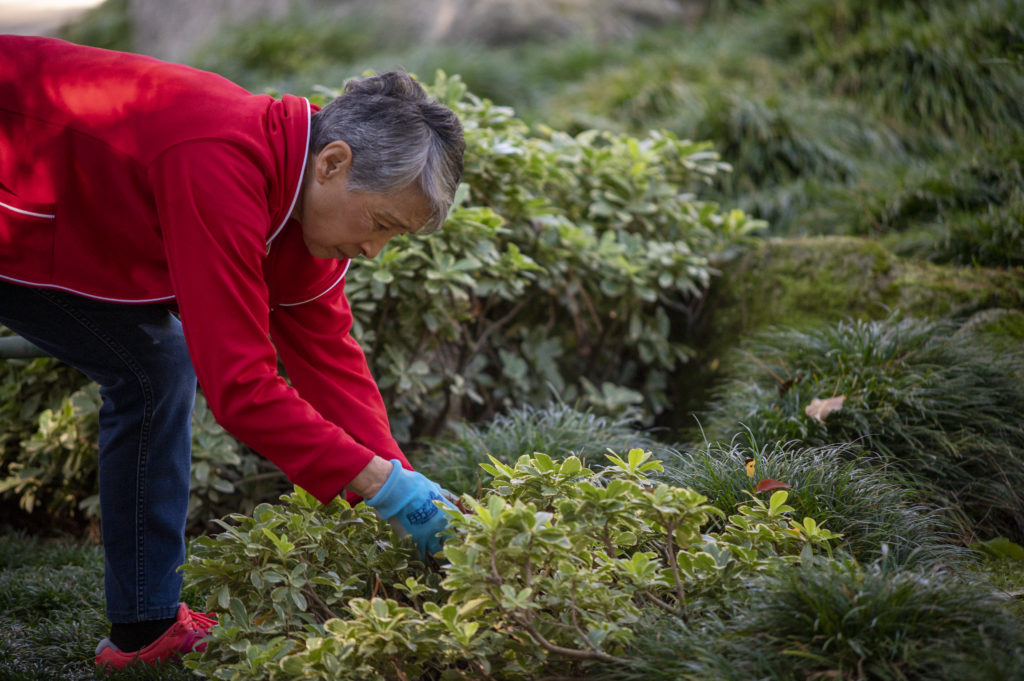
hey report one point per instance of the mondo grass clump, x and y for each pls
(878, 519)
(993, 237)
(842, 620)
(940, 410)
(835, 619)
(951, 72)
(454, 461)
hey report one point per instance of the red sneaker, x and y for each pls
(182, 637)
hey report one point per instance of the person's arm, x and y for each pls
(213, 213)
(328, 367)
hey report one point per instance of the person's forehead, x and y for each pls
(407, 208)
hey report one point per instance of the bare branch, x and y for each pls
(561, 650)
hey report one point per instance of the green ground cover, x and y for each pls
(875, 145)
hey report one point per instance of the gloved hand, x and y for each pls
(408, 497)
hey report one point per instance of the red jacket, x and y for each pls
(128, 179)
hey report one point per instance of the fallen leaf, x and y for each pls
(820, 409)
(767, 485)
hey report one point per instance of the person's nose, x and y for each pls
(372, 247)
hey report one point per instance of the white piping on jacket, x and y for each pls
(28, 212)
(302, 173)
(336, 282)
(162, 299)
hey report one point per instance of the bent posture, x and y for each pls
(131, 188)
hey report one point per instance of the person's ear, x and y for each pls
(333, 159)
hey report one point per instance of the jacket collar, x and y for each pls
(288, 130)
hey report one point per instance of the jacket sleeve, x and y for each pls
(328, 367)
(211, 201)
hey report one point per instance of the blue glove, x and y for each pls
(408, 497)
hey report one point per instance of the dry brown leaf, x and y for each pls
(820, 409)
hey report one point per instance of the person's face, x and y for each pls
(340, 223)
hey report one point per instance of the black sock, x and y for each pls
(137, 635)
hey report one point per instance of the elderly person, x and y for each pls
(131, 188)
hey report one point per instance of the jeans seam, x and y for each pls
(144, 432)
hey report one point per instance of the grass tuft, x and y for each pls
(942, 410)
(51, 597)
(454, 461)
(880, 521)
(841, 620)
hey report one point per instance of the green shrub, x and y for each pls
(878, 519)
(942, 410)
(567, 261)
(27, 387)
(44, 407)
(821, 107)
(1001, 328)
(770, 141)
(972, 183)
(55, 465)
(655, 88)
(546, 574)
(794, 27)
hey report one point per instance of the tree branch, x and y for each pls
(321, 610)
(667, 607)
(670, 549)
(567, 652)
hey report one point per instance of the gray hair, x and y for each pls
(398, 135)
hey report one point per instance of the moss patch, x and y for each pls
(797, 282)
(802, 282)
(926, 290)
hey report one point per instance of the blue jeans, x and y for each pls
(137, 355)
